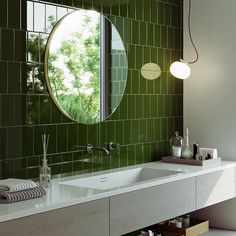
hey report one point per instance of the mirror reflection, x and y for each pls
(85, 66)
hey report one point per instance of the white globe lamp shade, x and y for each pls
(180, 70)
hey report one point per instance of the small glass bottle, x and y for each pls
(45, 175)
(186, 152)
(176, 144)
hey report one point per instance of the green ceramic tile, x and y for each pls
(154, 152)
(14, 14)
(161, 106)
(119, 137)
(150, 34)
(123, 156)
(135, 32)
(139, 57)
(167, 59)
(33, 110)
(156, 129)
(123, 108)
(67, 167)
(7, 44)
(27, 141)
(164, 83)
(160, 58)
(37, 138)
(34, 161)
(72, 136)
(146, 54)
(147, 106)
(14, 136)
(164, 39)
(127, 30)
(77, 166)
(3, 141)
(131, 153)
(56, 169)
(110, 131)
(147, 152)
(7, 118)
(143, 33)
(132, 57)
(33, 172)
(127, 132)
(52, 144)
(139, 9)
(175, 16)
(154, 12)
(164, 128)
(157, 36)
(62, 134)
(168, 105)
(153, 106)
(13, 77)
(21, 168)
(3, 13)
(143, 131)
(147, 10)
(115, 9)
(82, 135)
(139, 106)
(135, 131)
(139, 154)
(135, 81)
(171, 127)
(131, 106)
(161, 13)
(167, 15)
(150, 86)
(124, 8)
(45, 114)
(20, 46)
(3, 80)
(150, 130)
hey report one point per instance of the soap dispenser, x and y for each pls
(186, 152)
(45, 171)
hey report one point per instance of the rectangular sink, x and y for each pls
(120, 178)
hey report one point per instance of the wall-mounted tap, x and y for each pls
(90, 148)
(112, 146)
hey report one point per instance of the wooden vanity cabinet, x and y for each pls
(88, 219)
(216, 187)
(138, 209)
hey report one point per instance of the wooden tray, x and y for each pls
(176, 160)
(197, 227)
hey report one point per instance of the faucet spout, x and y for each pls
(90, 148)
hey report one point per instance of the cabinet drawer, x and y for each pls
(215, 187)
(137, 209)
(90, 218)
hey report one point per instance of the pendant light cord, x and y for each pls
(190, 34)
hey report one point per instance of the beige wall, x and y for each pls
(210, 93)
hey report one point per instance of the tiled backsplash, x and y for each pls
(146, 118)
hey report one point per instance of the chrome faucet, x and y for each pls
(90, 148)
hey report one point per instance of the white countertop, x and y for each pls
(59, 195)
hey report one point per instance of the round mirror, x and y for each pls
(85, 66)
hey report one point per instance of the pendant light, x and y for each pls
(181, 69)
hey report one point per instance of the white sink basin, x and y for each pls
(120, 178)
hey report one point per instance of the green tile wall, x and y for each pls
(147, 116)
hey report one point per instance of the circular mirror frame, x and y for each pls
(46, 56)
